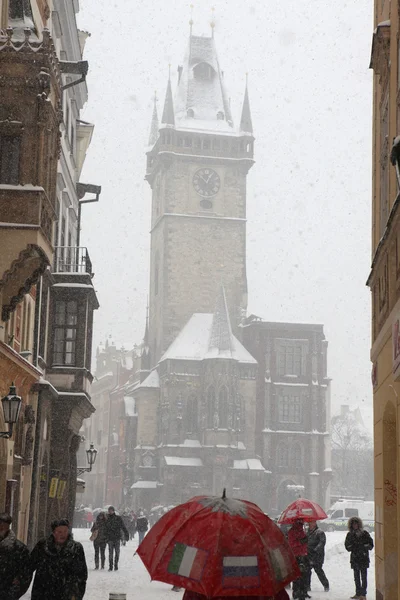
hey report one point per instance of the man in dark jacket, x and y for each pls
(316, 540)
(15, 571)
(60, 566)
(113, 530)
(358, 542)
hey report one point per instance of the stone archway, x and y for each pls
(389, 458)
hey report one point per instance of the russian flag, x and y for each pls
(240, 571)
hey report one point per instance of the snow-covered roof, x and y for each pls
(151, 381)
(204, 95)
(181, 461)
(192, 343)
(130, 406)
(144, 485)
(253, 464)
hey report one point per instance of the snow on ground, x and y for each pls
(133, 579)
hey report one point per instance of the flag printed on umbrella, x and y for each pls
(187, 561)
(240, 571)
(279, 564)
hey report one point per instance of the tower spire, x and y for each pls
(191, 20)
(246, 123)
(221, 330)
(212, 22)
(168, 116)
(154, 123)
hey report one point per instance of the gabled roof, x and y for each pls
(193, 343)
(151, 381)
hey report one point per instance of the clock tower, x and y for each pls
(197, 166)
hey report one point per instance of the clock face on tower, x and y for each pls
(206, 182)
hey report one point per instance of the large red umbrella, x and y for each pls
(219, 547)
(303, 509)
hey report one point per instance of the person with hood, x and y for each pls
(142, 525)
(98, 538)
(297, 539)
(60, 565)
(113, 529)
(359, 543)
(316, 540)
(15, 571)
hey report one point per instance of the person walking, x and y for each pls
(15, 571)
(359, 543)
(316, 540)
(98, 538)
(60, 565)
(142, 525)
(297, 539)
(114, 526)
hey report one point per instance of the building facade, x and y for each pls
(46, 289)
(383, 281)
(209, 414)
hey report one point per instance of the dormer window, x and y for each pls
(190, 113)
(203, 71)
(220, 115)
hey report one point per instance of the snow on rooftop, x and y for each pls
(181, 461)
(253, 464)
(192, 343)
(142, 485)
(152, 381)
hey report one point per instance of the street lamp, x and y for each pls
(11, 407)
(91, 454)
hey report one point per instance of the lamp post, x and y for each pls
(91, 454)
(11, 407)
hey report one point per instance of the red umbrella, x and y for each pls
(303, 509)
(219, 547)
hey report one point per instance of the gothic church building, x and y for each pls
(202, 421)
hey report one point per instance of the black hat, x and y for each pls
(5, 518)
(59, 523)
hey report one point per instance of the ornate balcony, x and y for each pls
(69, 259)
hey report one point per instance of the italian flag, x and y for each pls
(279, 564)
(187, 561)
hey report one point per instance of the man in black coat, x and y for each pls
(15, 571)
(60, 566)
(316, 540)
(113, 530)
(359, 542)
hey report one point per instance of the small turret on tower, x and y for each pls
(246, 124)
(153, 137)
(168, 116)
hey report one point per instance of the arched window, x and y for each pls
(203, 71)
(282, 456)
(192, 415)
(210, 406)
(223, 408)
(220, 115)
(297, 456)
(190, 113)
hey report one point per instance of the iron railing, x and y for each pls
(69, 259)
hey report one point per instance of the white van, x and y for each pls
(341, 511)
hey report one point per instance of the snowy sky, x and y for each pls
(309, 194)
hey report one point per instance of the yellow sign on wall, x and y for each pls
(61, 488)
(53, 487)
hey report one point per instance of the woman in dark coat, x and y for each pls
(99, 540)
(359, 542)
(60, 566)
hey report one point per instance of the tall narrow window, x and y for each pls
(223, 408)
(296, 456)
(156, 274)
(192, 415)
(210, 406)
(10, 149)
(65, 329)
